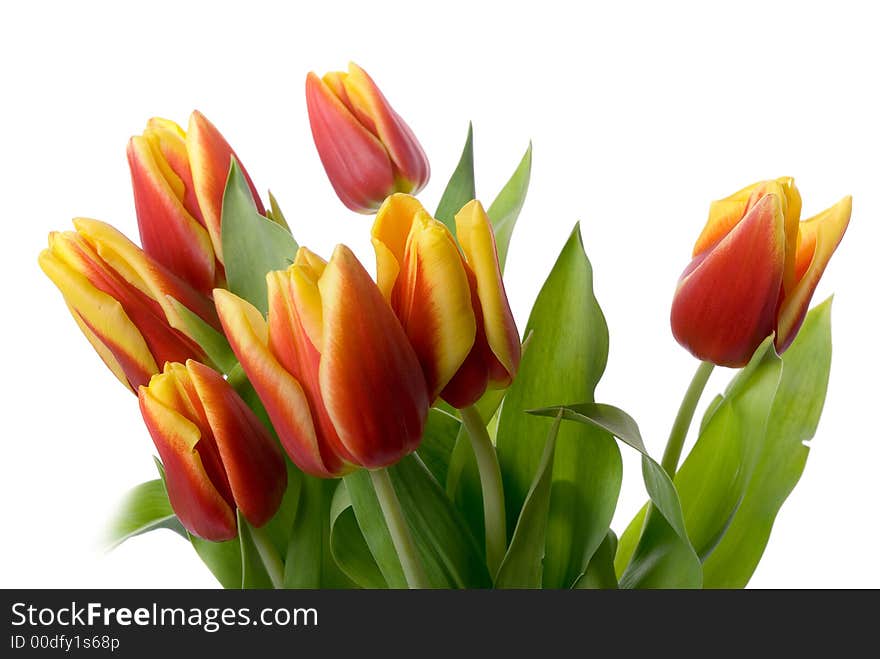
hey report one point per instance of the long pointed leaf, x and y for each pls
(210, 340)
(522, 564)
(461, 187)
(144, 508)
(793, 420)
(666, 559)
(252, 244)
(564, 362)
(506, 208)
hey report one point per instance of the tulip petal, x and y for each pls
(209, 159)
(433, 302)
(372, 109)
(724, 214)
(146, 314)
(169, 233)
(727, 298)
(294, 305)
(148, 276)
(198, 503)
(472, 377)
(387, 269)
(168, 142)
(393, 223)
(253, 463)
(819, 238)
(474, 231)
(356, 162)
(371, 381)
(280, 393)
(102, 319)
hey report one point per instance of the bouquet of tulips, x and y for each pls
(318, 427)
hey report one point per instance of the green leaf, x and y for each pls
(438, 441)
(348, 545)
(713, 478)
(663, 558)
(309, 562)
(449, 553)
(280, 527)
(463, 476)
(600, 572)
(253, 572)
(274, 213)
(564, 362)
(239, 381)
(782, 456)
(461, 187)
(214, 343)
(144, 508)
(505, 210)
(463, 486)
(374, 530)
(252, 244)
(521, 567)
(222, 558)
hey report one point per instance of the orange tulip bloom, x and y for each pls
(178, 179)
(754, 270)
(332, 365)
(218, 456)
(119, 297)
(450, 301)
(366, 148)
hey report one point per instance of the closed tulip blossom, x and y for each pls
(448, 296)
(332, 365)
(366, 148)
(178, 179)
(754, 270)
(119, 297)
(218, 457)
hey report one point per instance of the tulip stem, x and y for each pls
(401, 536)
(268, 554)
(495, 520)
(683, 419)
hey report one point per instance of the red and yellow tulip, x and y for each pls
(366, 148)
(332, 365)
(450, 301)
(119, 297)
(218, 457)
(178, 179)
(754, 270)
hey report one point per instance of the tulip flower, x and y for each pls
(119, 297)
(218, 457)
(332, 366)
(754, 270)
(366, 148)
(450, 301)
(178, 179)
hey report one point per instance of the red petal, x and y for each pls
(727, 299)
(356, 163)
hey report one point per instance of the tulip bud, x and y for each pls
(332, 365)
(366, 148)
(218, 457)
(178, 180)
(754, 270)
(119, 297)
(450, 301)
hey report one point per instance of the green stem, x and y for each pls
(268, 554)
(683, 419)
(495, 520)
(400, 533)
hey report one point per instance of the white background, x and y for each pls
(640, 113)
